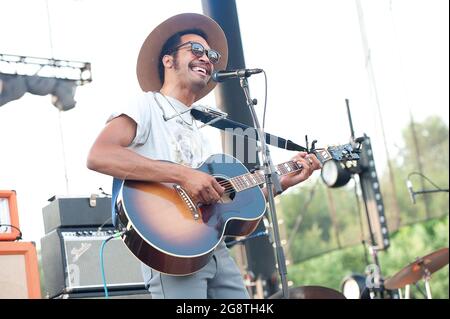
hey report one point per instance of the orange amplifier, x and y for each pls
(19, 271)
(9, 217)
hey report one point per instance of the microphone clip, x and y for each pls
(411, 191)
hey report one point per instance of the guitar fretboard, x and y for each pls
(249, 180)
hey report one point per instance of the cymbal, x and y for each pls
(417, 270)
(310, 292)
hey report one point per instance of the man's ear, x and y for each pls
(167, 61)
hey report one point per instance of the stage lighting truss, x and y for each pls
(370, 186)
(335, 174)
(80, 72)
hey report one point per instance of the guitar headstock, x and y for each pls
(347, 153)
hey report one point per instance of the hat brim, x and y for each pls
(148, 59)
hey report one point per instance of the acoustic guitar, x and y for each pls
(167, 231)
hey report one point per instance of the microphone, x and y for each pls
(220, 76)
(411, 192)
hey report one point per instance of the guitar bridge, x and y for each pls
(187, 200)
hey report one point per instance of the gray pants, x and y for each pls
(219, 279)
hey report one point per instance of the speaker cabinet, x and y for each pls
(19, 273)
(71, 262)
(8, 216)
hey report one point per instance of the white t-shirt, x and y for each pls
(177, 139)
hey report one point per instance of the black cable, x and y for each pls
(103, 192)
(20, 232)
(104, 223)
(240, 241)
(265, 100)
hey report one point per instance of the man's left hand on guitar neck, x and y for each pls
(309, 162)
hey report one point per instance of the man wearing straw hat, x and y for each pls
(174, 70)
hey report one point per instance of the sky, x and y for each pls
(312, 52)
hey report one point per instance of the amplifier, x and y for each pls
(77, 212)
(71, 262)
(8, 216)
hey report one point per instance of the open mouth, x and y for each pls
(200, 70)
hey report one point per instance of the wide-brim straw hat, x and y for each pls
(149, 55)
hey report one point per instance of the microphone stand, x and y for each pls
(427, 191)
(272, 179)
(413, 193)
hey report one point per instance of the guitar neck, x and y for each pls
(249, 180)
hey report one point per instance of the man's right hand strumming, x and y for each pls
(202, 188)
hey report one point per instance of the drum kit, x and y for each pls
(420, 269)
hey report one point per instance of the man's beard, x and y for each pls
(197, 85)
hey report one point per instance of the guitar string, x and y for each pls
(229, 189)
(229, 182)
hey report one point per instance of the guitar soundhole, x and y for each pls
(230, 193)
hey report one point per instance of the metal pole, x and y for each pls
(428, 288)
(408, 292)
(272, 179)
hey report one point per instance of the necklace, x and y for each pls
(174, 108)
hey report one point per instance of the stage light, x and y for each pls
(40, 76)
(86, 74)
(354, 287)
(64, 95)
(12, 87)
(334, 174)
(39, 85)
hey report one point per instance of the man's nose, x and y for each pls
(204, 58)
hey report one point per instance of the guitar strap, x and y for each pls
(240, 129)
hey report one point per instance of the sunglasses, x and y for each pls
(198, 50)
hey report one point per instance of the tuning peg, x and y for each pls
(313, 145)
(255, 168)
